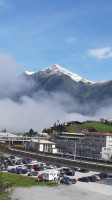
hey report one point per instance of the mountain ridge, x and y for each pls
(56, 69)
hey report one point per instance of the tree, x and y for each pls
(31, 132)
(2, 188)
(4, 130)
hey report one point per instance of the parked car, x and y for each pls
(68, 180)
(84, 179)
(34, 173)
(61, 173)
(110, 175)
(26, 160)
(98, 177)
(12, 170)
(40, 176)
(12, 157)
(39, 168)
(69, 171)
(49, 166)
(102, 175)
(75, 168)
(19, 162)
(83, 170)
(58, 165)
(91, 178)
(95, 177)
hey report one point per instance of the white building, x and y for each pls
(99, 139)
(41, 145)
(94, 144)
(6, 135)
(106, 153)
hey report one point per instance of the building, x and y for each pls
(107, 153)
(98, 139)
(65, 141)
(39, 145)
(94, 144)
(71, 123)
(70, 136)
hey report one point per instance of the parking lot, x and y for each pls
(85, 188)
(52, 172)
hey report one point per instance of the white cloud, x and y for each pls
(100, 53)
(20, 112)
(70, 39)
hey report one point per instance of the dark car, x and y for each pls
(12, 157)
(34, 173)
(21, 171)
(58, 165)
(84, 179)
(26, 161)
(12, 170)
(103, 175)
(68, 171)
(91, 178)
(68, 180)
(110, 175)
(39, 168)
(83, 170)
(75, 168)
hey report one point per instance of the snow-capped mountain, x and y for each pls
(57, 70)
(70, 90)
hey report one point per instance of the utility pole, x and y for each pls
(75, 151)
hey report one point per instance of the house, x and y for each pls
(41, 145)
(71, 123)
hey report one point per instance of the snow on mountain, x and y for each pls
(56, 69)
(29, 73)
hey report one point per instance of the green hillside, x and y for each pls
(98, 126)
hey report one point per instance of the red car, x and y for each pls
(40, 176)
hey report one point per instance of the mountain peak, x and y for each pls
(56, 69)
(29, 73)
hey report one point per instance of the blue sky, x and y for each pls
(76, 34)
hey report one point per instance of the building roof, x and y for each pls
(98, 133)
(42, 141)
(74, 134)
(5, 134)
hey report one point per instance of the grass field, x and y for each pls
(16, 180)
(100, 127)
(24, 181)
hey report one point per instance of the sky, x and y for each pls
(35, 34)
(76, 34)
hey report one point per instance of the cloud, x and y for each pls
(101, 53)
(70, 39)
(21, 110)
